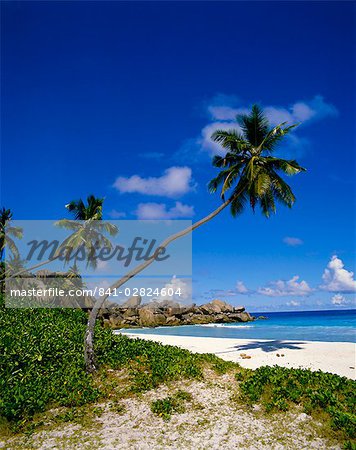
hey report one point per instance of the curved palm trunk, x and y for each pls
(89, 355)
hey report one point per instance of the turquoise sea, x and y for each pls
(338, 326)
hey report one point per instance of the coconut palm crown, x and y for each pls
(92, 211)
(249, 168)
(88, 230)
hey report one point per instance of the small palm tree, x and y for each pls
(248, 171)
(7, 233)
(88, 230)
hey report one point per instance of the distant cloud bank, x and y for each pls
(281, 288)
(335, 278)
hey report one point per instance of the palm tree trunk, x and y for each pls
(89, 355)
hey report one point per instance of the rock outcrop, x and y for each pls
(134, 314)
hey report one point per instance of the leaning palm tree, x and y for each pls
(248, 173)
(7, 233)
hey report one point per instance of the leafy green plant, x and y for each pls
(350, 445)
(169, 405)
(42, 361)
(318, 392)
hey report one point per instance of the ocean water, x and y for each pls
(338, 326)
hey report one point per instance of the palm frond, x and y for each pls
(107, 227)
(238, 204)
(229, 180)
(93, 210)
(274, 136)
(231, 139)
(262, 184)
(16, 232)
(282, 190)
(218, 180)
(10, 244)
(77, 207)
(68, 224)
(229, 160)
(289, 167)
(267, 203)
(254, 125)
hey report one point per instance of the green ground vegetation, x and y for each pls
(42, 368)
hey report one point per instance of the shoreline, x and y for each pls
(333, 357)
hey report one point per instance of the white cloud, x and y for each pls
(278, 115)
(316, 109)
(116, 214)
(223, 111)
(281, 288)
(174, 182)
(241, 288)
(338, 279)
(292, 241)
(182, 291)
(338, 299)
(155, 211)
(293, 303)
(301, 111)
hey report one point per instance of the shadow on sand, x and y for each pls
(267, 346)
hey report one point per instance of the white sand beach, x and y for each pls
(334, 357)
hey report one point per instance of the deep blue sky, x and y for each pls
(96, 91)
